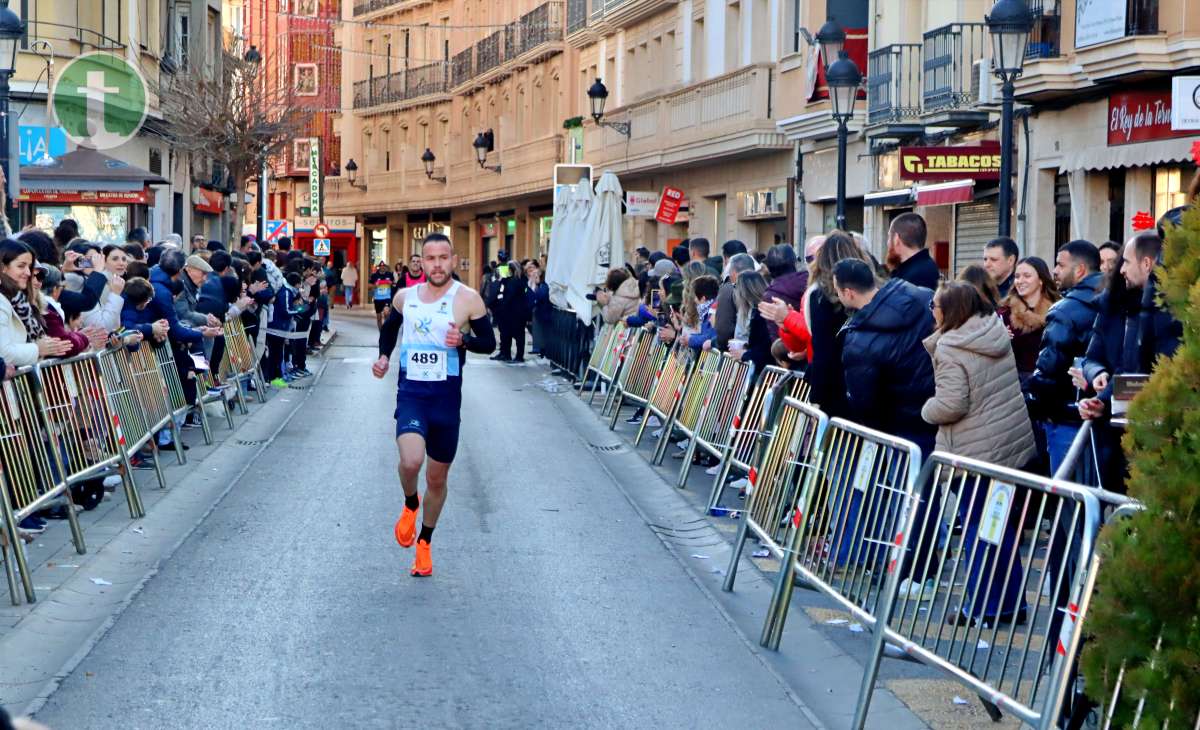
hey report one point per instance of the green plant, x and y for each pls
(1149, 586)
(573, 123)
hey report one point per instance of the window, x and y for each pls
(300, 152)
(182, 35)
(387, 150)
(305, 79)
(1170, 188)
(155, 165)
(1116, 205)
(307, 8)
(1062, 211)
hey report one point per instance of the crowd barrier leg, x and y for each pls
(14, 559)
(616, 410)
(660, 451)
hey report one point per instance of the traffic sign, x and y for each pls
(277, 230)
(321, 230)
(321, 247)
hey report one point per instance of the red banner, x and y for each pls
(210, 201)
(1140, 116)
(668, 205)
(96, 197)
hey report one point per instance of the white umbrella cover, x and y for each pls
(564, 240)
(603, 246)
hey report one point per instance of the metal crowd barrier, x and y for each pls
(567, 341)
(208, 392)
(151, 389)
(989, 616)
(605, 359)
(666, 395)
(722, 402)
(129, 419)
(80, 414)
(783, 465)
(750, 430)
(691, 395)
(852, 498)
(243, 360)
(643, 354)
(31, 474)
(180, 406)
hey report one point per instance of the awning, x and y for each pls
(87, 169)
(1138, 154)
(902, 196)
(948, 193)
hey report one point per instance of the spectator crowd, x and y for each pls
(62, 296)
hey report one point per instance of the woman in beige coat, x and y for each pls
(619, 297)
(980, 413)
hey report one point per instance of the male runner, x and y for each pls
(433, 348)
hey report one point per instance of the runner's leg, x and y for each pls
(436, 474)
(412, 454)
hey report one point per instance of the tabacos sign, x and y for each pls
(980, 162)
(1140, 116)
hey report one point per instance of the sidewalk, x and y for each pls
(821, 652)
(78, 596)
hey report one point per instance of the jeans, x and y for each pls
(1058, 441)
(349, 292)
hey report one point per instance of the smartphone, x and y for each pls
(83, 262)
(655, 300)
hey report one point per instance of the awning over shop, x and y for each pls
(86, 169)
(1141, 154)
(948, 193)
(903, 196)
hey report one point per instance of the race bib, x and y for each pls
(383, 292)
(425, 365)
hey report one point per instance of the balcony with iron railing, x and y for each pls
(363, 7)
(62, 36)
(462, 67)
(403, 85)
(577, 15)
(1045, 39)
(522, 41)
(611, 15)
(949, 72)
(894, 89)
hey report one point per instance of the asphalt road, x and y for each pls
(552, 603)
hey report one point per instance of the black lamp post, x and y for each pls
(1009, 25)
(253, 57)
(597, 95)
(843, 79)
(427, 159)
(832, 40)
(483, 144)
(12, 28)
(352, 173)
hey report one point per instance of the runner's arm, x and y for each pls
(390, 332)
(482, 337)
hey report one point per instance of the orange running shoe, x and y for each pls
(423, 564)
(406, 527)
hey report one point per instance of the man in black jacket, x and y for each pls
(1000, 261)
(889, 374)
(907, 256)
(512, 310)
(1068, 329)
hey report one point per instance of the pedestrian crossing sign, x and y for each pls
(321, 247)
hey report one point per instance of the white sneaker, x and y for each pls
(682, 445)
(713, 470)
(914, 591)
(657, 433)
(741, 484)
(655, 423)
(112, 481)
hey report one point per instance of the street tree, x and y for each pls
(234, 116)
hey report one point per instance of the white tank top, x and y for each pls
(426, 362)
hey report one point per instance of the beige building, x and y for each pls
(928, 83)
(159, 38)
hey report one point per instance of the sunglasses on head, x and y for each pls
(40, 275)
(809, 259)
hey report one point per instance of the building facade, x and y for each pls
(925, 135)
(157, 188)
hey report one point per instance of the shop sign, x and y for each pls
(1140, 116)
(1185, 103)
(306, 223)
(209, 201)
(97, 197)
(340, 223)
(1097, 21)
(981, 162)
(314, 177)
(641, 203)
(668, 205)
(33, 143)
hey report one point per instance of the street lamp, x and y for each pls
(597, 95)
(254, 58)
(428, 158)
(12, 28)
(483, 144)
(1009, 25)
(832, 39)
(843, 79)
(352, 173)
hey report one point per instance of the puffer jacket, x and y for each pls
(978, 407)
(889, 375)
(1068, 329)
(623, 303)
(1130, 333)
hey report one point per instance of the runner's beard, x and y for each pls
(438, 278)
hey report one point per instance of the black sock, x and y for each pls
(426, 533)
(412, 501)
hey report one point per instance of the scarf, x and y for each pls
(33, 324)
